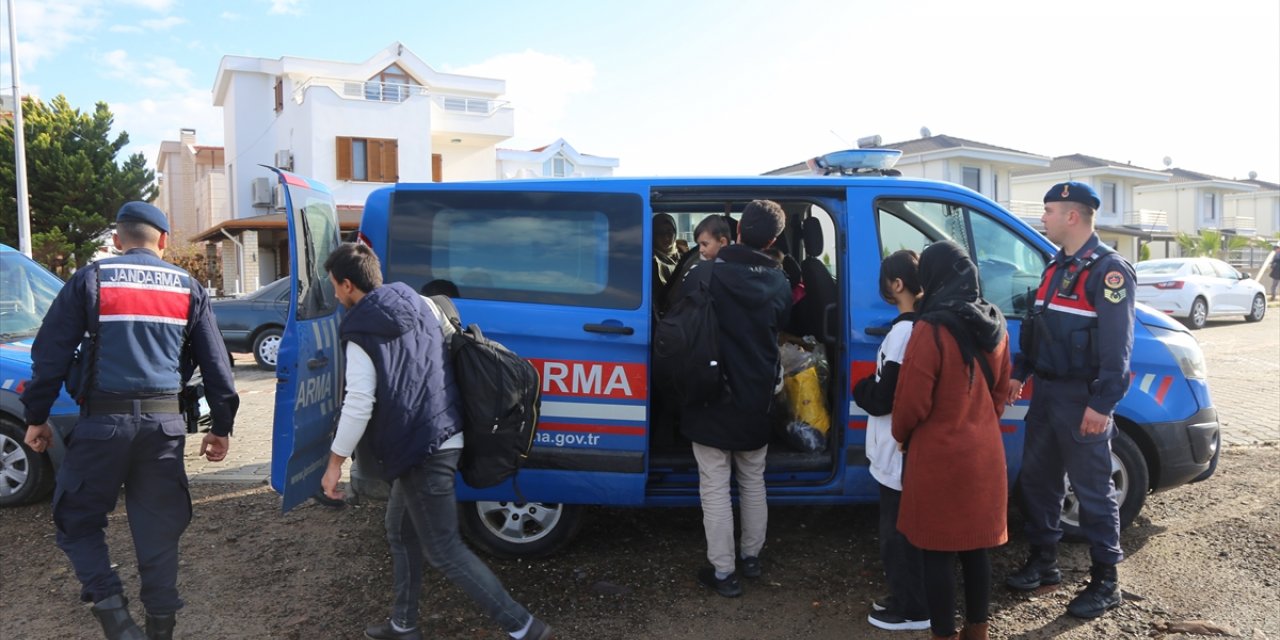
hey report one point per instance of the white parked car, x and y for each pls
(1197, 289)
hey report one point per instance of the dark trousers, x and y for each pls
(422, 523)
(902, 561)
(143, 452)
(1054, 447)
(940, 588)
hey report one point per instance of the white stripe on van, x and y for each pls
(1015, 412)
(593, 411)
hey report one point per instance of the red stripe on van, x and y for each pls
(591, 379)
(592, 428)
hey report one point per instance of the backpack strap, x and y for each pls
(447, 307)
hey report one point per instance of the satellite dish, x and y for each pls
(925, 132)
(1168, 161)
(1253, 175)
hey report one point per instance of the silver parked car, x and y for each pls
(1197, 289)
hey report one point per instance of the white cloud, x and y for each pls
(229, 15)
(285, 7)
(541, 88)
(175, 103)
(154, 5)
(125, 28)
(160, 24)
(46, 28)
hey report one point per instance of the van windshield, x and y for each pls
(27, 291)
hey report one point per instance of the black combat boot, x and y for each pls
(1041, 570)
(161, 627)
(1102, 593)
(113, 614)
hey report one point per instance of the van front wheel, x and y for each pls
(1128, 473)
(511, 529)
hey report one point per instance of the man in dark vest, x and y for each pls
(400, 394)
(140, 324)
(1076, 342)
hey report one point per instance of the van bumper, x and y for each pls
(1184, 449)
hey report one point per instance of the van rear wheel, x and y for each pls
(509, 529)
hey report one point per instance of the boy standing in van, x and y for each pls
(399, 385)
(751, 299)
(905, 607)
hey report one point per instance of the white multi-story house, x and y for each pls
(1261, 206)
(1196, 201)
(355, 126)
(556, 160)
(1119, 222)
(192, 185)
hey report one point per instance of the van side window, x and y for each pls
(315, 291)
(1008, 266)
(573, 249)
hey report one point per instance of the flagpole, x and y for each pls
(19, 144)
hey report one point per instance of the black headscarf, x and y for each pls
(952, 300)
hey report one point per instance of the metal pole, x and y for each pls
(19, 145)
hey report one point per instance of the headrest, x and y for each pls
(812, 238)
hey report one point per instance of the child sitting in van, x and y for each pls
(905, 606)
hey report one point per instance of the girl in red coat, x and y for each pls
(946, 413)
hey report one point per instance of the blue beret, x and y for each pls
(142, 212)
(1074, 192)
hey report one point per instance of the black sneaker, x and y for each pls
(539, 630)
(385, 631)
(883, 603)
(750, 567)
(891, 621)
(728, 587)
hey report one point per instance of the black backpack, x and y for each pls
(686, 342)
(500, 395)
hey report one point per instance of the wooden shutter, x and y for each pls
(390, 161)
(344, 158)
(437, 167)
(279, 95)
(373, 156)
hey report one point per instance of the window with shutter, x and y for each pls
(437, 167)
(344, 158)
(279, 95)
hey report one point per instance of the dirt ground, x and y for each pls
(1209, 552)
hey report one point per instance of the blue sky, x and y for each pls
(725, 86)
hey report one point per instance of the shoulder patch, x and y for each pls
(1114, 280)
(1115, 296)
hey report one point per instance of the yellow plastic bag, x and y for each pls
(805, 396)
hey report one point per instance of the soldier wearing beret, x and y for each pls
(124, 335)
(1076, 343)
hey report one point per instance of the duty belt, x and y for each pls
(98, 406)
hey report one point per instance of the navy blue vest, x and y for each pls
(415, 402)
(1067, 348)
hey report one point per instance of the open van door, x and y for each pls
(309, 364)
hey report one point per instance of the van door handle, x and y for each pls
(317, 362)
(599, 327)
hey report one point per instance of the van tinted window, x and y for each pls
(576, 249)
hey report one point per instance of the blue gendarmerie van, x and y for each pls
(560, 271)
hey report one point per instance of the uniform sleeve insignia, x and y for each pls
(1114, 296)
(1114, 280)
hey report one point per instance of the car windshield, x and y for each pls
(1158, 267)
(26, 292)
(270, 291)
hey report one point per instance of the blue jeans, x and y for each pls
(422, 522)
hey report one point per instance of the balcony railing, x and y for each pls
(1147, 219)
(397, 92)
(1241, 224)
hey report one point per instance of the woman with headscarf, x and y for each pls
(665, 254)
(951, 391)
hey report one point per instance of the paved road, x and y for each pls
(1244, 378)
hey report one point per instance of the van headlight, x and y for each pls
(1184, 349)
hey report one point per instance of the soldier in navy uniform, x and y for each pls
(1076, 342)
(125, 334)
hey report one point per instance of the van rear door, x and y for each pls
(309, 363)
(558, 272)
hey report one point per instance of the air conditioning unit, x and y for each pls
(284, 159)
(261, 192)
(277, 197)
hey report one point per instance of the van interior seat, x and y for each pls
(819, 286)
